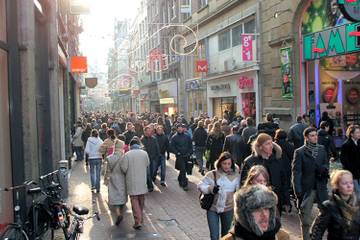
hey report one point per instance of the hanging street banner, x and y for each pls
(286, 77)
(247, 49)
(332, 42)
(91, 82)
(202, 65)
(78, 64)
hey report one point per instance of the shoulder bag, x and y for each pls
(206, 200)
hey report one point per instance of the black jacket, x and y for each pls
(305, 177)
(163, 143)
(215, 145)
(350, 157)
(128, 136)
(296, 134)
(167, 127)
(273, 166)
(199, 137)
(181, 145)
(235, 144)
(339, 228)
(151, 146)
(325, 139)
(268, 127)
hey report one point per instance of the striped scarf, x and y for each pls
(313, 148)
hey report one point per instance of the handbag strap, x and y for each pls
(214, 172)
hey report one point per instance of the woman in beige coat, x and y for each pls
(106, 149)
(117, 189)
(134, 166)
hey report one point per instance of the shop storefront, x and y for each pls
(196, 97)
(235, 93)
(168, 96)
(5, 141)
(222, 96)
(330, 64)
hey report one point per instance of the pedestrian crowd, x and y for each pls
(252, 175)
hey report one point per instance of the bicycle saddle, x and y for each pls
(79, 210)
(34, 190)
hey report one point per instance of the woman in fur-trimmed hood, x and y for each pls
(268, 154)
(255, 214)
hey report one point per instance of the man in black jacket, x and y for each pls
(129, 133)
(199, 139)
(181, 146)
(235, 144)
(310, 173)
(164, 147)
(350, 154)
(151, 146)
(268, 127)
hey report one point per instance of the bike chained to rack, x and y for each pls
(48, 211)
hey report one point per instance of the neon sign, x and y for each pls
(332, 42)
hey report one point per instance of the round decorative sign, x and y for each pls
(350, 9)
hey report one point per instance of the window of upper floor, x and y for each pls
(224, 40)
(232, 36)
(202, 3)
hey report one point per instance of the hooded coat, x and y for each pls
(247, 200)
(274, 167)
(116, 187)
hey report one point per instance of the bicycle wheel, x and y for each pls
(14, 233)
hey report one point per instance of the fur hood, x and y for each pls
(276, 148)
(251, 198)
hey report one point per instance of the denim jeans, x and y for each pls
(306, 218)
(199, 153)
(162, 164)
(79, 153)
(95, 169)
(213, 222)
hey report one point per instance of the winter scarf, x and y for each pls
(349, 209)
(313, 148)
(135, 146)
(242, 232)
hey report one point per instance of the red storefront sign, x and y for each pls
(78, 64)
(202, 66)
(247, 51)
(245, 82)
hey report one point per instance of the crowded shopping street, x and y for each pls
(180, 119)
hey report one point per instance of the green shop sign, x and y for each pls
(335, 41)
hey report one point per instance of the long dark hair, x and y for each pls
(224, 156)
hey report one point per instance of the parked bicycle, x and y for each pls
(16, 230)
(48, 211)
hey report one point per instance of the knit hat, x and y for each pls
(249, 199)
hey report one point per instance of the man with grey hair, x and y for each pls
(255, 214)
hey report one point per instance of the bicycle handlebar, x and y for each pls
(49, 174)
(24, 184)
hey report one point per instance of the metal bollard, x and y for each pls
(64, 178)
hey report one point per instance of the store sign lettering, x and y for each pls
(332, 42)
(245, 82)
(220, 87)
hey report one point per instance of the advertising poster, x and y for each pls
(286, 77)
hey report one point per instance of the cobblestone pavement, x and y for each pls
(170, 213)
